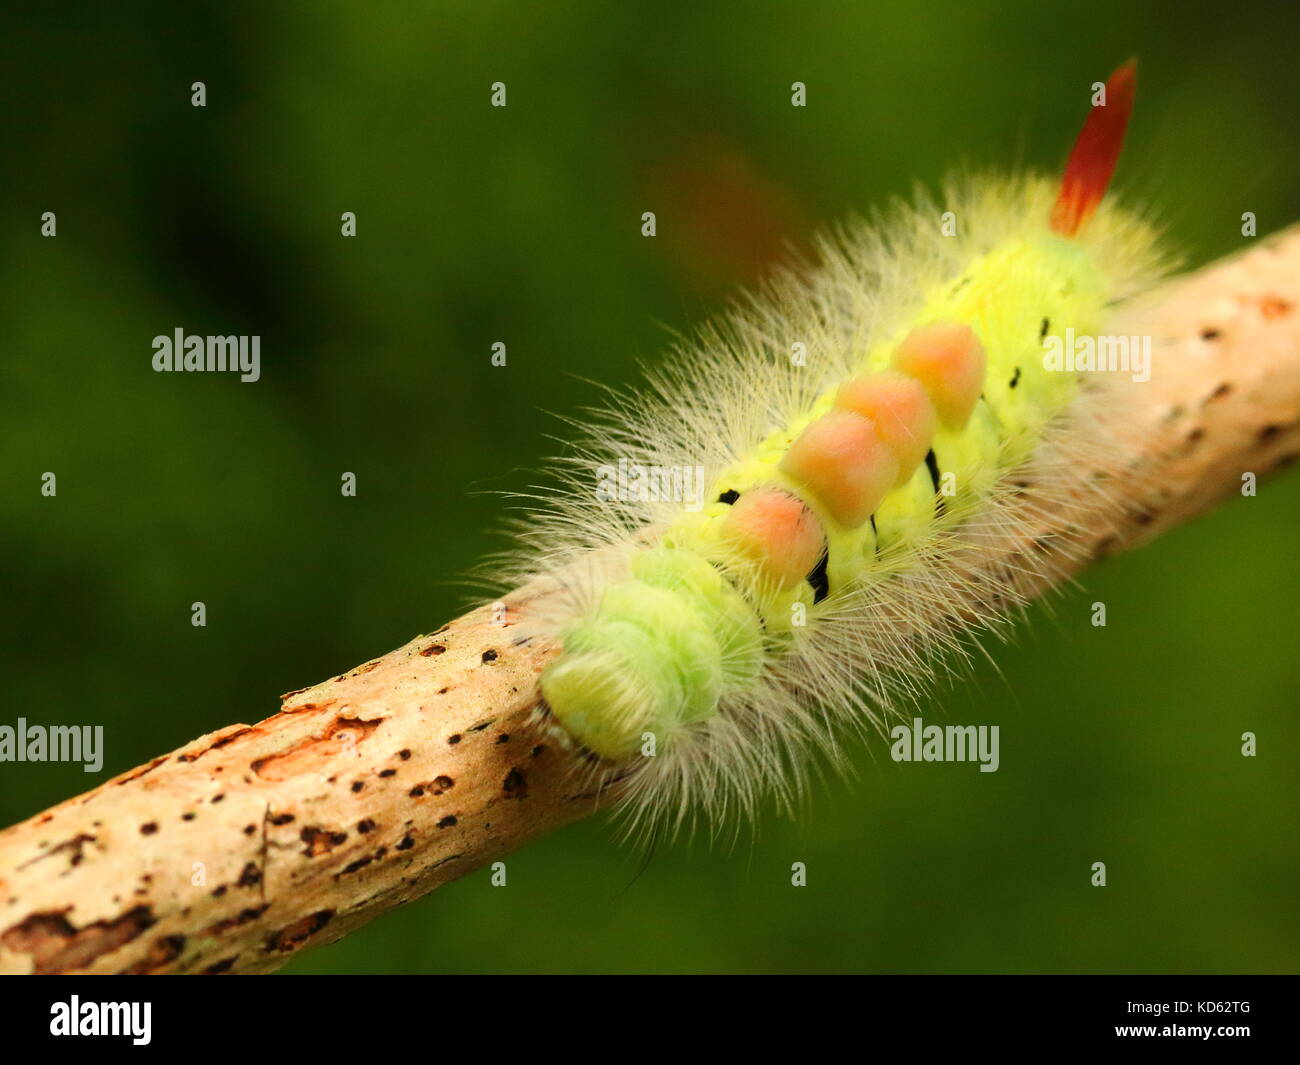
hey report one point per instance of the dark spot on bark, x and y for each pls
(1223, 390)
(230, 738)
(503, 738)
(454, 738)
(388, 772)
(443, 783)
(366, 826)
(406, 843)
(162, 952)
(149, 828)
(432, 649)
(1274, 307)
(319, 841)
(252, 913)
(223, 966)
(281, 819)
(218, 798)
(1043, 328)
(352, 867)
(447, 821)
(489, 656)
(515, 785)
(1015, 378)
(404, 755)
(293, 936)
(304, 708)
(76, 845)
(1209, 333)
(250, 876)
(56, 945)
(1269, 433)
(188, 816)
(729, 497)
(416, 792)
(142, 771)
(249, 829)
(357, 785)
(538, 750)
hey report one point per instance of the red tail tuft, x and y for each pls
(1091, 163)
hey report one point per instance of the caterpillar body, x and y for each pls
(854, 503)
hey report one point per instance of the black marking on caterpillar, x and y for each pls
(819, 579)
(932, 464)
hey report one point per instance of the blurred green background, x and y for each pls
(476, 225)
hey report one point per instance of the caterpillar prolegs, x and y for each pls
(857, 500)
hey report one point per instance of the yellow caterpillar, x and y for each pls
(832, 556)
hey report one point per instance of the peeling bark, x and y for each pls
(361, 793)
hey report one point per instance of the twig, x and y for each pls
(375, 787)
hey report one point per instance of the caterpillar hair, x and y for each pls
(886, 441)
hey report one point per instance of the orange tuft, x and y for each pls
(841, 459)
(949, 361)
(1092, 162)
(776, 530)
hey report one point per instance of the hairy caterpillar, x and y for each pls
(865, 509)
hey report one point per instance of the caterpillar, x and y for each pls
(866, 506)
